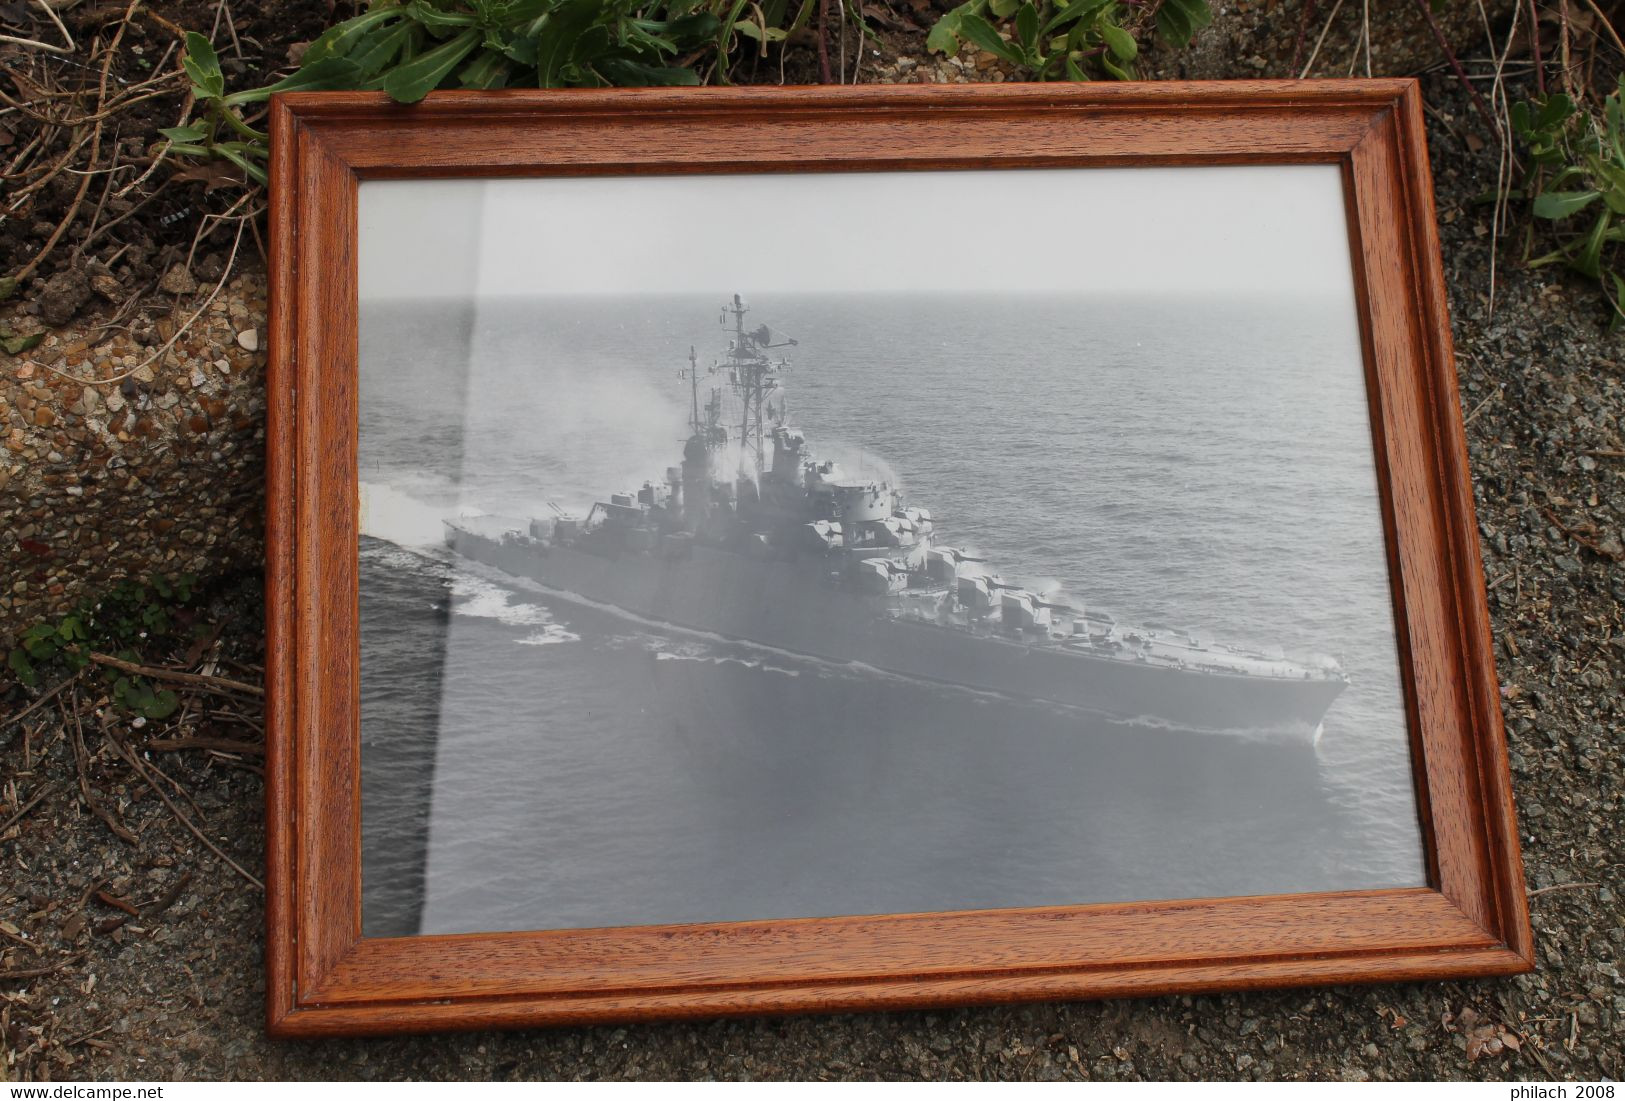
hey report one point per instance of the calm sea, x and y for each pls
(531, 763)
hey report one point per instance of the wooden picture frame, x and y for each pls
(326, 978)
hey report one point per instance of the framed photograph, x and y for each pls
(744, 551)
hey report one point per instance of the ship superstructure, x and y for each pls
(756, 538)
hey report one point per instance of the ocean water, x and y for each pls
(529, 762)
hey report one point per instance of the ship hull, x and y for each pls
(772, 603)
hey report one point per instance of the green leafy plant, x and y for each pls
(221, 131)
(138, 696)
(134, 616)
(1067, 39)
(410, 48)
(1576, 171)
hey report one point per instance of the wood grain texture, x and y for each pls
(325, 978)
(937, 945)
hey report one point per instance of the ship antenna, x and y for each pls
(694, 387)
(738, 310)
(750, 374)
(749, 367)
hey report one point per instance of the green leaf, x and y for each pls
(804, 16)
(41, 647)
(1588, 260)
(380, 49)
(1119, 42)
(202, 64)
(333, 72)
(8, 287)
(635, 74)
(1121, 72)
(980, 33)
(1073, 12)
(1555, 109)
(160, 705)
(1197, 11)
(1173, 26)
(725, 34)
(590, 45)
(339, 40)
(558, 39)
(236, 157)
(1072, 70)
(522, 49)
(1003, 9)
(1560, 204)
(1522, 117)
(17, 345)
(487, 70)
(195, 132)
(701, 26)
(418, 77)
(526, 11)
(1027, 25)
(437, 20)
(944, 36)
(193, 150)
(1617, 302)
(23, 668)
(751, 30)
(1179, 20)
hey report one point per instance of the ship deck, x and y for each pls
(1157, 648)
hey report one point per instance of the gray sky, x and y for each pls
(1241, 230)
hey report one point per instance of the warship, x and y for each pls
(755, 538)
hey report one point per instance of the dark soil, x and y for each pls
(175, 989)
(132, 237)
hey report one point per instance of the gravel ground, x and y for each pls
(175, 989)
(157, 466)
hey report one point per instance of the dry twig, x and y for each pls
(222, 745)
(76, 735)
(1560, 887)
(40, 972)
(163, 351)
(28, 806)
(36, 44)
(1455, 66)
(50, 694)
(1330, 19)
(175, 676)
(167, 899)
(141, 769)
(95, 149)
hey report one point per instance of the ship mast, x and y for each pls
(694, 387)
(752, 376)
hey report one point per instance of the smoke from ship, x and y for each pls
(859, 462)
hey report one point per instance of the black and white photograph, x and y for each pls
(786, 559)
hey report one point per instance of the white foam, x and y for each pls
(480, 599)
(551, 635)
(667, 655)
(405, 520)
(476, 597)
